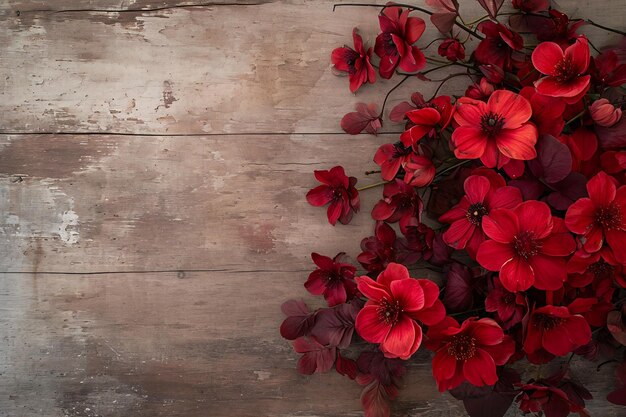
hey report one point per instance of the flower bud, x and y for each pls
(604, 113)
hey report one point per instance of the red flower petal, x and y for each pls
(578, 53)
(459, 233)
(400, 339)
(602, 189)
(546, 56)
(535, 216)
(552, 87)
(320, 196)
(409, 293)
(444, 365)
(492, 255)
(431, 315)
(393, 272)
(487, 332)
(580, 216)
(372, 289)
(549, 272)
(481, 369)
(518, 143)
(501, 225)
(369, 325)
(617, 241)
(470, 142)
(514, 108)
(476, 188)
(517, 275)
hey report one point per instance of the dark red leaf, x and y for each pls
(376, 399)
(443, 21)
(613, 137)
(619, 395)
(345, 366)
(299, 321)
(335, 326)
(459, 295)
(567, 191)
(491, 6)
(316, 357)
(553, 162)
(364, 118)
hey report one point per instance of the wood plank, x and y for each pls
(107, 203)
(213, 70)
(159, 345)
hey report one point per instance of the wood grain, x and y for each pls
(154, 157)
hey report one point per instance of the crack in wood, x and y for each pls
(180, 272)
(183, 135)
(147, 9)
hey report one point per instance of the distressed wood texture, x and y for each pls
(154, 157)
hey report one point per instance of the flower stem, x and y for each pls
(450, 168)
(406, 77)
(619, 32)
(377, 184)
(578, 116)
(372, 172)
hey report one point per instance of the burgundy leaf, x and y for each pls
(396, 114)
(567, 191)
(613, 137)
(364, 118)
(531, 188)
(376, 399)
(335, 326)
(299, 320)
(491, 6)
(443, 21)
(553, 162)
(459, 295)
(316, 357)
(619, 395)
(346, 366)
(382, 369)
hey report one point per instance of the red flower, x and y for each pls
(604, 113)
(480, 91)
(394, 45)
(480, 198)
(528, 247)
(585, 268)
(601, 216)
(565, 69)
(555, 330)
(396, 302)
(452, 50)
(499, 47)
(469, 352)
(356, 62)
(436, 113)
(390, 157)
(607, 70)
(556, 28)
(420, 170)
(332, 278)
(508, 307)
(542, 395)
(384, 247)
(495, 131)
(400, 203)
(338, 190)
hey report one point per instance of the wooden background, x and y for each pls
(154, 157)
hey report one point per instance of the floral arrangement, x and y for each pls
(512, 195)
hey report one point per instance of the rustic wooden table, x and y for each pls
(154, 157)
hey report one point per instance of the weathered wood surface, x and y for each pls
(135, 145)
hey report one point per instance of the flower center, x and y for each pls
(601, 269)
(564, 70)
(400, 150)
(546, 322)
(389, 311)
(388, 45)
(475, 213)
(509, 298)
(525, 244)
(462, 347)
(608, 217)
(491, 124)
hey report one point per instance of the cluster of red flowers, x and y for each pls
(512, 196)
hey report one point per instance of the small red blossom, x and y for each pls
(390, 157)
(394, 45)
(557, 28)
(480, 91)
(452, 49)
(400, 203)
(385, 247)
(509, 308)
(564, 69)
(604, 113)
(339, 190)
(496, 131)
(465, 219)
(601, 217)
(585, 268)
(366, 117)
(396, 302)
(420, 170)
(607, 70)
(556, 331)
(500, 47)
(544, 396)
(356, 62)
(470, 351)
(435, 114)
(333, 278)
(528, 248)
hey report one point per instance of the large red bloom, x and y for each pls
(565, 69)
(332, 278)
(481, 196)
(394, 45)
(528, 247)
(496, 131)
(469, 352)
(555, 330)
(400, 203)
(396, 302)
(339, 190)
(601, 216)
(356, 62)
